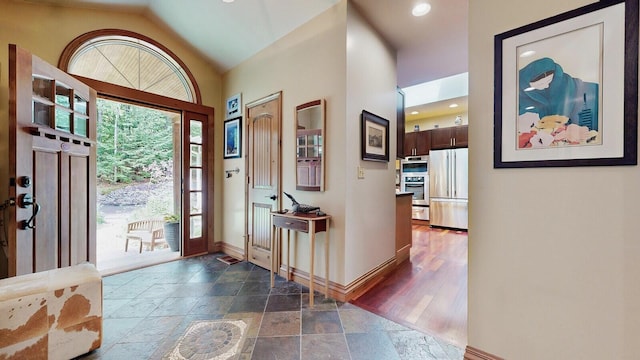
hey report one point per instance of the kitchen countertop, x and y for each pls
(403, 194)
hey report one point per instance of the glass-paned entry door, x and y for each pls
(195, 185)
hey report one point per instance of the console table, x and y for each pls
(306, 223)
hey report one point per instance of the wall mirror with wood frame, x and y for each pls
(310, 146)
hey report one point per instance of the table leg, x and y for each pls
(288, 254)
(326, 261)
(312, 238)
(273, 236)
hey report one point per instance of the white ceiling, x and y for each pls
(429, 47)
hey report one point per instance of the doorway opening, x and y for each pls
(138, 185)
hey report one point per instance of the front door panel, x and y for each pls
(52, 132)
(45, 189)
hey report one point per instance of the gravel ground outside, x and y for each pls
(116, 210)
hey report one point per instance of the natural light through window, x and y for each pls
(132, 63)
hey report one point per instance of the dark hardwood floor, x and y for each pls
(429, 291)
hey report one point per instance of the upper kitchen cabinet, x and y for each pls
(450, 137)
(417, 143)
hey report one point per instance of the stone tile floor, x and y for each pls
(146, 311)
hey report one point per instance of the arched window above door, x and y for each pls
(131, 60)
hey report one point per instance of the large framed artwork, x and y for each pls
(375, 137)
(566, 89)
(233, 138)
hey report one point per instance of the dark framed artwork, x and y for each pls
(566, 89)
(375, 137)
(233, 138)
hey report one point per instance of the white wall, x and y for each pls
(442, 121)
(554, 253)
(370, 202)
(338, 57)
(306, 65)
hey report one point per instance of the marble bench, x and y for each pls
(55, 314)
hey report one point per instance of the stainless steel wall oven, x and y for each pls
(414, 178)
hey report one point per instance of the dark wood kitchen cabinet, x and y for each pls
(450, 137)
(417, 143)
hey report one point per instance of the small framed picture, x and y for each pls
(375, 137)
(233, 138)
(234, 106)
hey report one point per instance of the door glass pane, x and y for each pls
(313, 152)
(42, 87)
(196, 172)
(80, 105)
(196, 226)
(63, 96)
(80, 126)
(195, 132)
(196, 179)
(196, 203)
(63, 120)
(196, 155)
(41, 113)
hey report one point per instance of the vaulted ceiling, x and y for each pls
(429, 47)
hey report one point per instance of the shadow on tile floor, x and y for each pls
(146, 311)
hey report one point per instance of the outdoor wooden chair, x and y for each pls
(146, 232)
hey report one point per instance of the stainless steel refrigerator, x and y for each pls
(449, 188)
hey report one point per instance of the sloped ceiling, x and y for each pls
(429, 47)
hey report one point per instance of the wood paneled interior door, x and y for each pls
(263, 172)
(52, 156)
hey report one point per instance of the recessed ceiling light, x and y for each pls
(414, 113)
(228, 1)
(421, 9)
(453, 105)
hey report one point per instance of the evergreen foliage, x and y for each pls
(134, 143)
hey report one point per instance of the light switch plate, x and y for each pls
(360, 172)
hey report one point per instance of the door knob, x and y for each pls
(272, 197)
(24, 181)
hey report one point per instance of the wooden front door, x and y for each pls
(52, 155)
(263, 172)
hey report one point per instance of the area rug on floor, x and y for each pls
(210, 340)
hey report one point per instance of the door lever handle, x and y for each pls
(30, 224)
(272, 197)
(24, 201)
